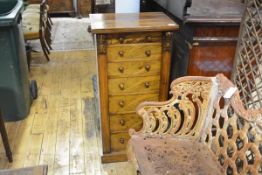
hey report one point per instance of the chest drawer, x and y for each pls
(132, 38)
(120, 123)
(128, 103)
(221, 31)
(129, 52)
(136, 85)
(119, 141)
(134, 68)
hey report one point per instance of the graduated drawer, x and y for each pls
(132, 38)
(134, 85)
(120, 123)
(128, 103)
(134, 52)
(119, 141)
(134, 68)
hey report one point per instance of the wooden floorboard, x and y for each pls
(62, 129)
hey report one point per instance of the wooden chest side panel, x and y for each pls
(209, 60)
(84, 7)
(229, 31)
(136, 85)
(57, 6)
(103, 92)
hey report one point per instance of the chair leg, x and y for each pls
(44, 42)
(48, 38)
(5, 140)
(45, 45)
(49, 25)
(44, 49)
(49, 19)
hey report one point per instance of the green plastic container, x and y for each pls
(15, 98)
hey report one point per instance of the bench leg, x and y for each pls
(5, 140)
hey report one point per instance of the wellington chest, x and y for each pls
(133, 55)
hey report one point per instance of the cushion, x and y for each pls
(31, 26)
(33, 6)
(170, 156)
(31, 10)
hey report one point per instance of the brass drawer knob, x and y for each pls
(121, 103)
(121, 86)
(147, 67)
(147, 84)
(122, 122)
(121, 69)
(148, 53)
(122, 140)
(121, 40)
(148, 38)
(195, 44)
(121, 53)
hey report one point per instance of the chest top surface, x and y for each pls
(131, 22)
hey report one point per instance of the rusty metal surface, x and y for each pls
(172, 156)
(234, 134)
(231, 136)
(247, 74)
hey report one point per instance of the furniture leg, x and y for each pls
(48, 39)
(42, 42)
(5, 139)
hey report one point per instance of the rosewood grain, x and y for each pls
(132, 22)
(61, 6)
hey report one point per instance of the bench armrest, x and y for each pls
(183, 114)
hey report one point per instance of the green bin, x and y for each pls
(15, 97)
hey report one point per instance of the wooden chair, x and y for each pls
(202, 129)
(36, 25)
(5, 139)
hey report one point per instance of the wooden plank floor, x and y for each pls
(62, 129)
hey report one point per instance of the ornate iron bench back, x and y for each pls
(233, 134)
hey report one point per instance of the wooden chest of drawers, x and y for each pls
(206, 42)
(133, 55)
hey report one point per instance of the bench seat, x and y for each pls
(173, 155)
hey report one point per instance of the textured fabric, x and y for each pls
(33, 6)
(31, 26)
(32, 10)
